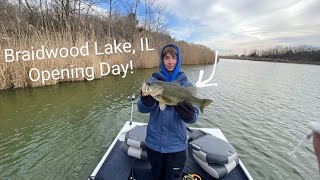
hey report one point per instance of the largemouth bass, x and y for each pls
(172, 93)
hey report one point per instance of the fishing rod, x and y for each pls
(131, 98)
(188, 129)
(315, 128)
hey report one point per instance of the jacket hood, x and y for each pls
(176, 70)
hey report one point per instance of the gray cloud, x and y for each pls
(233, 26)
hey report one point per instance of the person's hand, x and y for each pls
(147, 99)
(316, 146)
(185, 110)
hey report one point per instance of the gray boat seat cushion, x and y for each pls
(134, 144)
(217, 170)
(134, 152)
(211, 149)
(136, 137)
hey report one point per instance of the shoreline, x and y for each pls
(82, 79)
(220, 57)
(269, 60)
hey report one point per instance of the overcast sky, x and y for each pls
(237, 26)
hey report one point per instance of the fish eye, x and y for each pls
(148, 83)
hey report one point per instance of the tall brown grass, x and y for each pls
(19, 35)
(16, 74)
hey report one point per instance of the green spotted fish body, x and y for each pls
(172, 93)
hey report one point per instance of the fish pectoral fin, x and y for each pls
(162, 106)
(167, 100)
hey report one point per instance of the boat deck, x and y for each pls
(117, 165)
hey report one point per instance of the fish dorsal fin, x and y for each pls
(162, 106)
(192, 90)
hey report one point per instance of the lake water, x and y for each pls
(62, 131)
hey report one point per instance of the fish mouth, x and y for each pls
(151, 88)
(146, 88)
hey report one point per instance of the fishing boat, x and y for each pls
(209, 156)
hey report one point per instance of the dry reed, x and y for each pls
(18, 35)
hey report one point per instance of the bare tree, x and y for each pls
(112, 5)
(147, 14)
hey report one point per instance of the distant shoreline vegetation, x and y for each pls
(65, 24)
(301, 55)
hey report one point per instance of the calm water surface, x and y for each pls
(62, 131)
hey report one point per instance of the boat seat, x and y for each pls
(217, 170)
(134, 152)
(134, 144)
(136, 136)
(195, 134)
(216, 156)
(211, 149)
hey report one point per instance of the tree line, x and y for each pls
(295, 54)
(303, 53)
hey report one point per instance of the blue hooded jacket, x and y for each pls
(166, 132)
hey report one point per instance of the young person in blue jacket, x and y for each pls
(166, 133)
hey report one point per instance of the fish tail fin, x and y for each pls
(204, 103)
